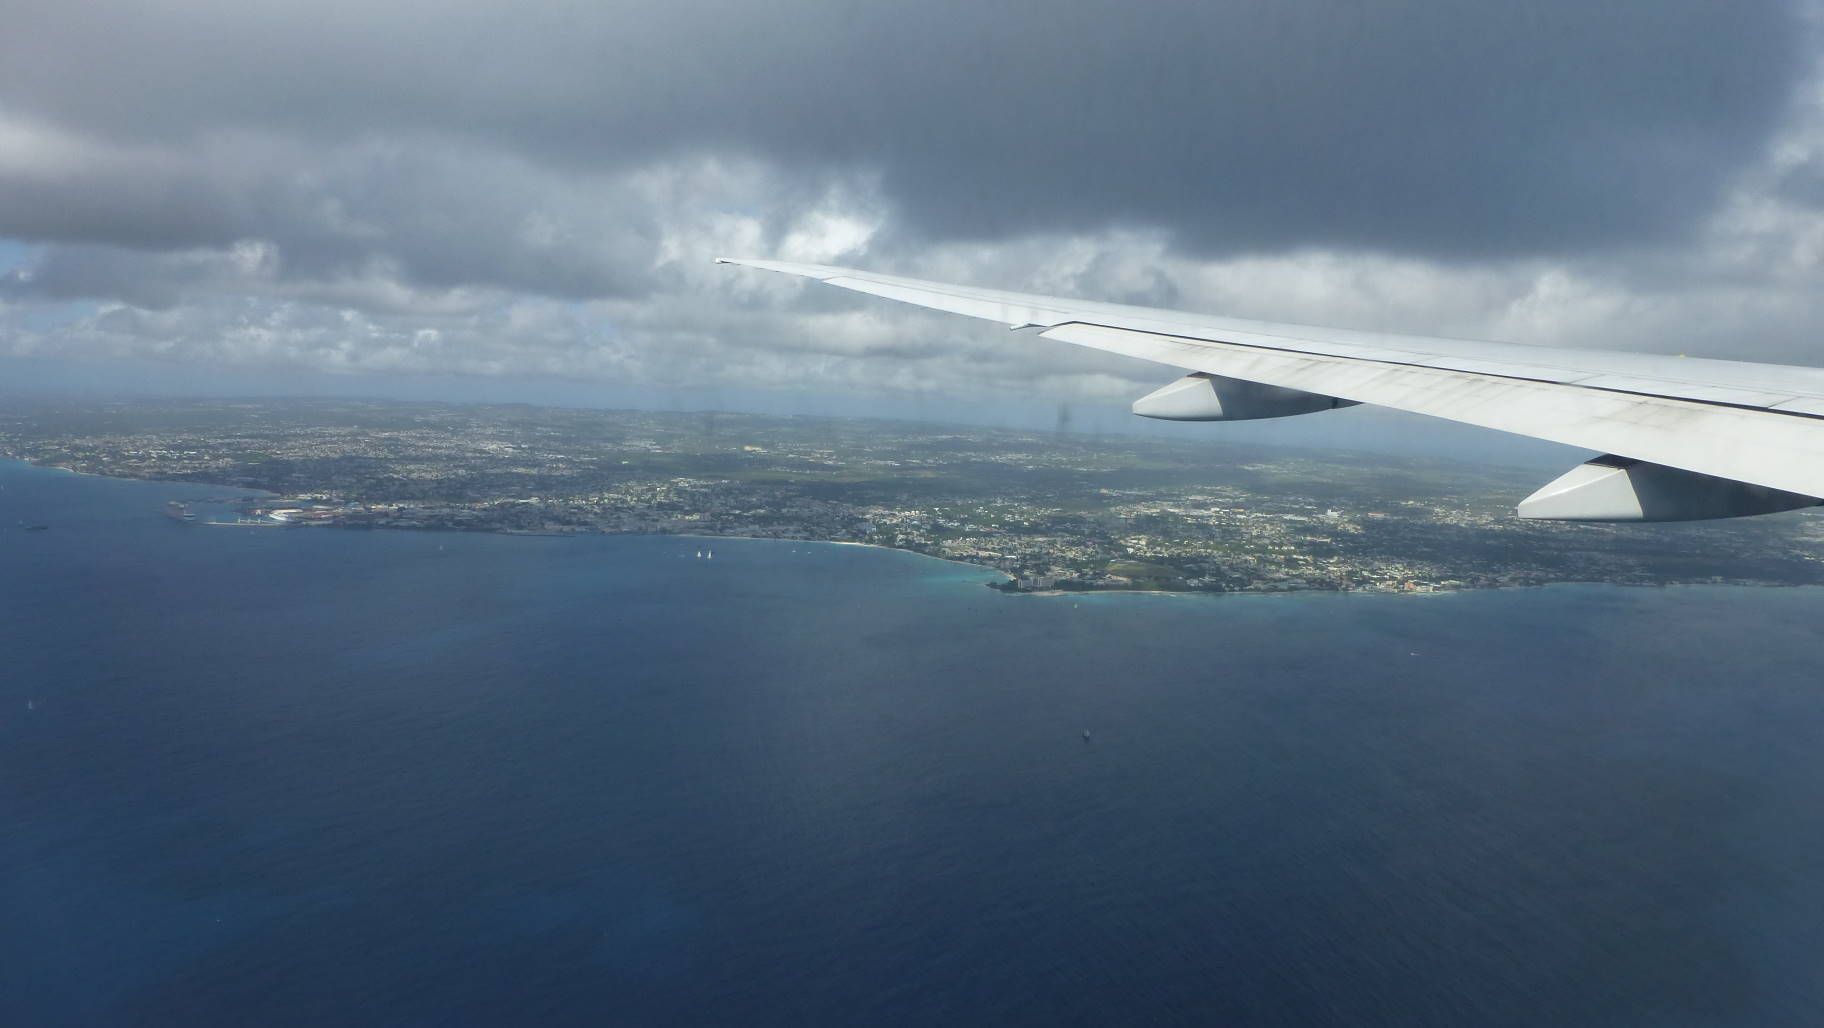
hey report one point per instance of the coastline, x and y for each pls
(1005, 576)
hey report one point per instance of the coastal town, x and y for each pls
(1051, 511)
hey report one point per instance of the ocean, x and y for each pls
(315, 776)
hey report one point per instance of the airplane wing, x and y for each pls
(1683, 439)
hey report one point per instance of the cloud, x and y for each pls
(537, 189)
(1417, 127)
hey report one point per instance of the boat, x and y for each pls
(177, 511)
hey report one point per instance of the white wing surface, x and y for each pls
(1684, 438)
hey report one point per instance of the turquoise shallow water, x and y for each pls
(315, 776)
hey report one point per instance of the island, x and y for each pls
(1052, 511)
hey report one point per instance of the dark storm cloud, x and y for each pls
(1555, 126)
(426, 213)
(80, 271)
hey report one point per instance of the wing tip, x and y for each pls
(821, 272)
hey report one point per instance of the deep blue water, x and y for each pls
(321, 777)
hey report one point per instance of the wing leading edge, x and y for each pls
(1682, 438)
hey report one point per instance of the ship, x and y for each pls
(177, 511)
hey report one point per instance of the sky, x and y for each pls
(475, 201)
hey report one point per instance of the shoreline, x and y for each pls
(984, 568)
(1077, 594)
